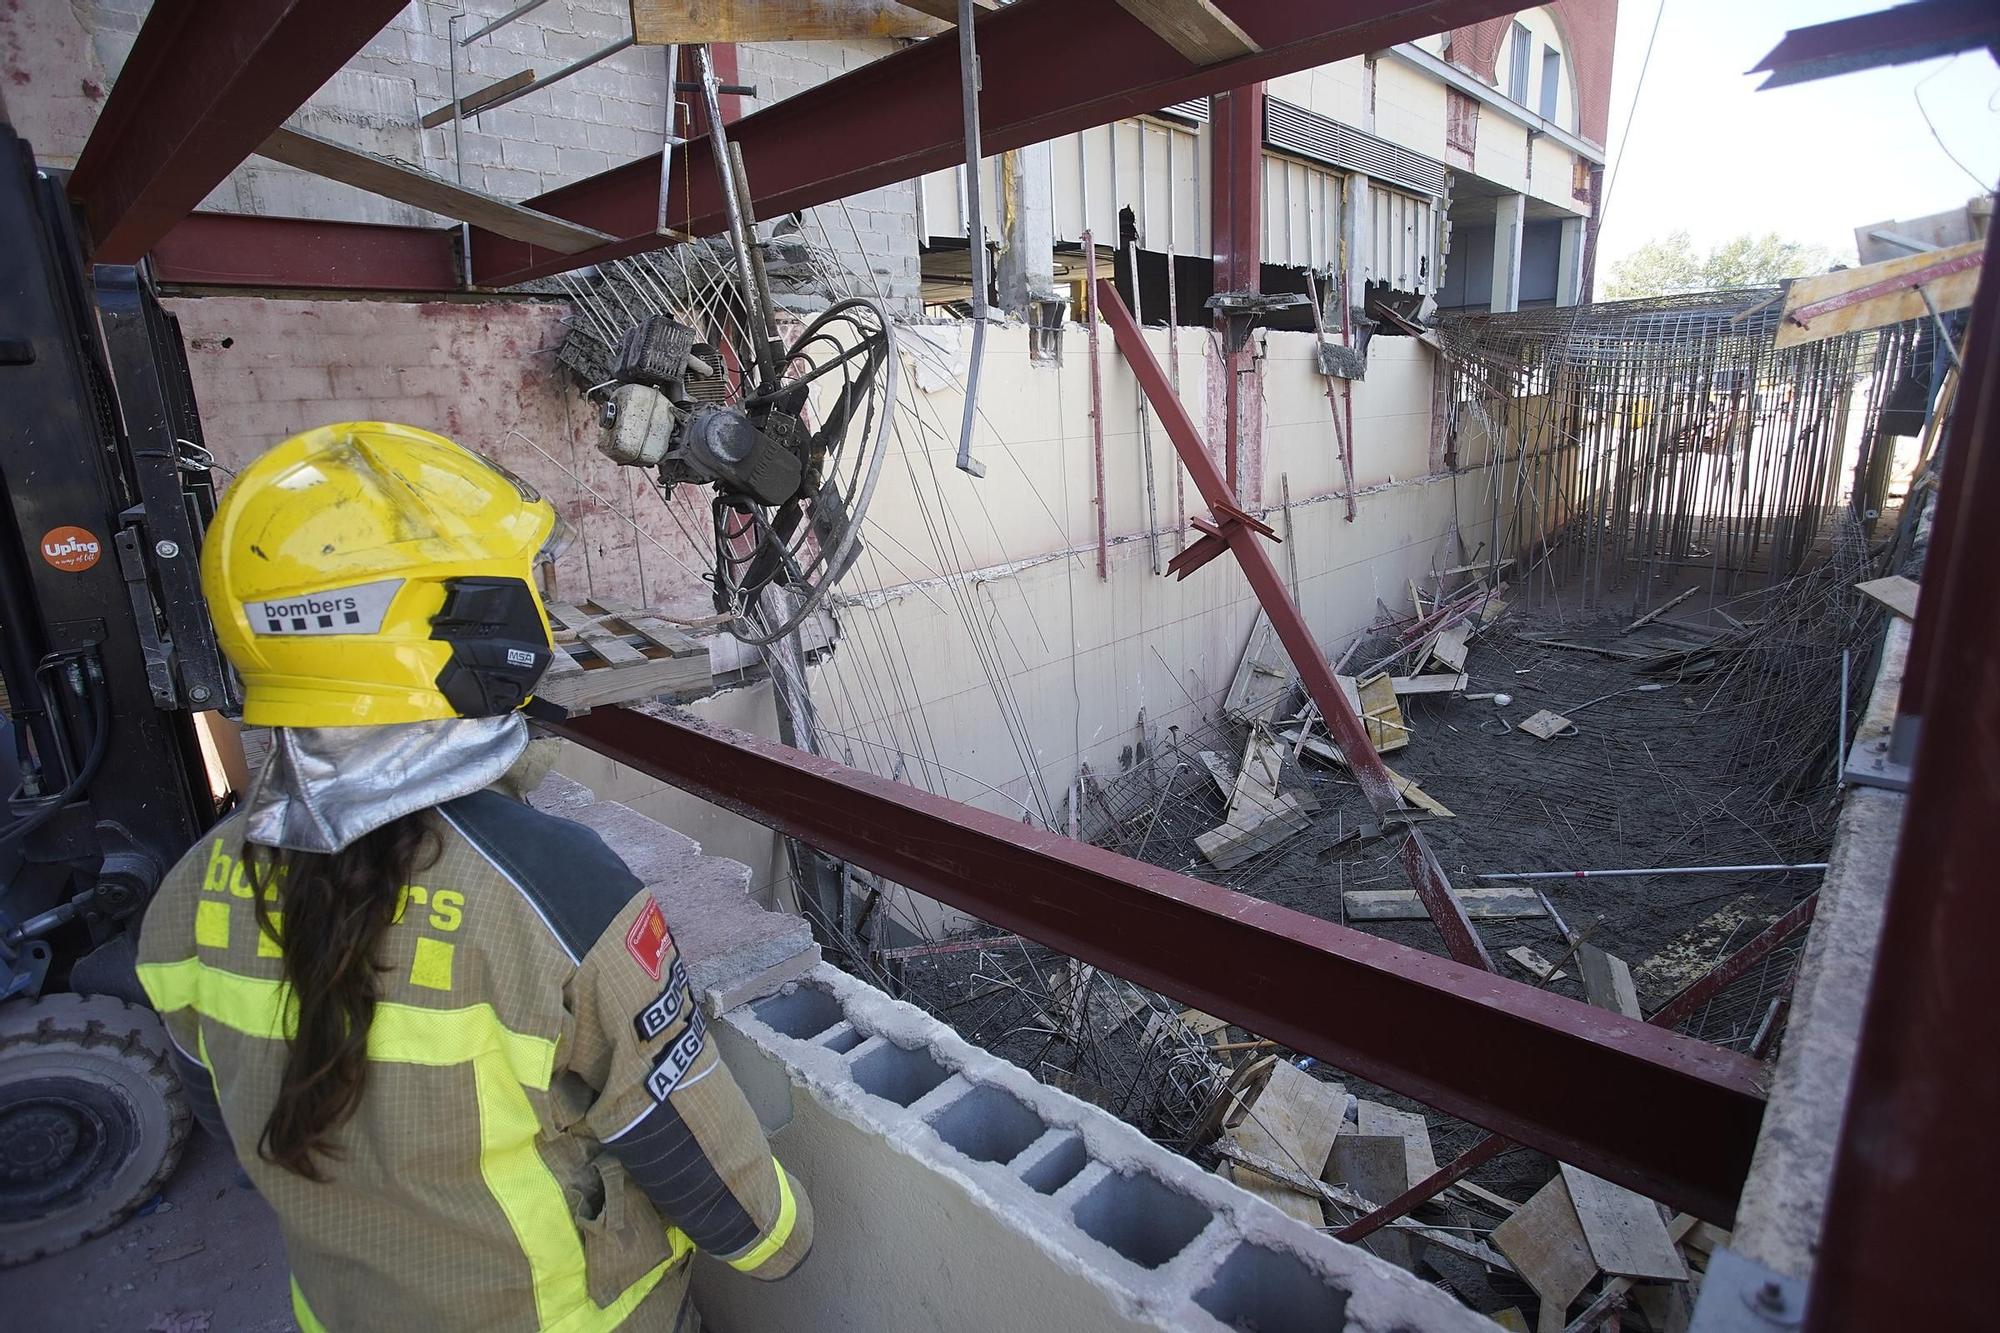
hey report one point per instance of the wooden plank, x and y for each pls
(1546, 725)
(1897, 593)
(1264, 675)
(1625, 1232)
(1381, 714)
(1377, 1167)
(1195, 28)
(1218, 769)
(1254, 795)
(1420, 798)
(590, 688)
(1375, 1118)
(1546, 1245)
(1499, 1203)
(1434, 684)
(659, 633)
(1607, 981)
(1534, 964)
(1293, 1121)
(610, 645)
(1227, 846)
(470, 103)
(660, 22)
(1448, 649)
(563, 665)
(1951, 292)
(420, 189)
(946, 10)
(1481, 904)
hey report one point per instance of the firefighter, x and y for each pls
(449, 1036)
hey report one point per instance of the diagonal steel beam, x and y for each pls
(1895, 36)
(1377, 783)
(1049, 67)
(1669, 1116)
(205, 84)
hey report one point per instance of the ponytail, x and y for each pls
(336, 910)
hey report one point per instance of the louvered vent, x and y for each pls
(1311, 135)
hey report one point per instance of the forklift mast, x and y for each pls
(105, 644)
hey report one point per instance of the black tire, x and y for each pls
(92, 1119)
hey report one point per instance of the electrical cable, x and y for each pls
(100, 712)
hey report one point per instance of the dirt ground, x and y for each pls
(206, 1258)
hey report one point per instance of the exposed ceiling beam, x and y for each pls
(1195, 28)
(237, 250)
(946, 10)
(659, 22)
(420, 189)
(1050, 67)
(204, 85)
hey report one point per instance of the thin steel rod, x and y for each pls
(576, 66)
(1097, 408)
(739, 227)
(506, 18)
(1654, 870)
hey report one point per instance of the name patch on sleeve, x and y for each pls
(647, 940)
(678, 1058)
(658, 1016)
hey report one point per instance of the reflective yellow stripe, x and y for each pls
(780, 1232)
(303, 1312)
(503, 1063)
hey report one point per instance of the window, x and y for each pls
(1517, 64)
(1552, 72)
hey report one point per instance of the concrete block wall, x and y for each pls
(951, 1190)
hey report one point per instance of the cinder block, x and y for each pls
(573, 163)
(509, 183)
(528, 156)
(558, 132)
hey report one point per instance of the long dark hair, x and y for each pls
(335, 910)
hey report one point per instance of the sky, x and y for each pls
(1708, 153)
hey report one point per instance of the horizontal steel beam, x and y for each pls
(204, 85)
(1048, 68)
(301, 254)
(1669, 1116)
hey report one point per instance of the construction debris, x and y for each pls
(1545, 725)
(1896, 592)
(1403, 905)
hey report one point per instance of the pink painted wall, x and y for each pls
(482, 373)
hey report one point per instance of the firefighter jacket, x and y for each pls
(545, 1134)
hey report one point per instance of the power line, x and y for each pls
(1618, 158)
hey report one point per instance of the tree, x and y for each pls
(1671, 265)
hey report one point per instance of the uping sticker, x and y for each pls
(71, 549)
(658, 1016)
(647, 940)
(677, 1059)
(358, 609)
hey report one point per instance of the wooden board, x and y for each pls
(1381, 713)
(1218, 769)
(1375, 1166)
(1897, 593)
(1545, 1243)
(1375, 1118)
(946, 10)
(1546, 725)
(1625, 1232)
(1950, 292)
(1482, 904)
(1292, 1123)
(420, 189)
(1195, 28)
(1607, 981)
(1420, 798)
(470, 104)
(1448, 649)
(1263, 678)
(1254, 795)
(1534, 964)
(1433, 684)
(659, 22)
(1226, 846)
(596, 663)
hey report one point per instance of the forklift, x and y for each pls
(114, 694)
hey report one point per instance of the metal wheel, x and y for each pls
(840, 378)
(92, 1119)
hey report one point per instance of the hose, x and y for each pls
(100, 741)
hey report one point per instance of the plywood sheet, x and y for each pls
(1545, 725)
(1292, 1123)
(1897, 593)
(1382, 714)
(1375, 1166)
(1625, 1232)
(1447, 683)
(1483, 904)
(1607, 981)
(1448, 649)
(1375, 1118)
(1264, 675)
(1545, 1243)
(1951, 292)
(1534, 964)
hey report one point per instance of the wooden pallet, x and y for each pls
(607, 653)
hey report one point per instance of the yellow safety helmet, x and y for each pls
(368, 573)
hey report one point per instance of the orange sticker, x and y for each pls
(71, 549)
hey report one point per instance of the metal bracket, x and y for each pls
(1740, 1295)
(1241, 311)
(1869, 765)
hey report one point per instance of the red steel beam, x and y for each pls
(1731, 969)
(238, 250)
(1669, 1116)
(1373, 776)
(205, 84)
(1925, 1101)
(1895, 36)
(1048, 67)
